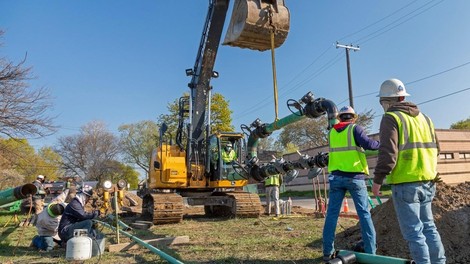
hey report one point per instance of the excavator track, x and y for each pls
(164, 208)
(241, 205)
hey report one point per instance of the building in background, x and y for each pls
(453, 163)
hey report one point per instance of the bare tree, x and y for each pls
(138, 141)
(90, 153)
(22, 109)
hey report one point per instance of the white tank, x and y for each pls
(79, 246)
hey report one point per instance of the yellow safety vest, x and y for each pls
(344, 154)
(272, 180)
(228, 157)
(417, 149)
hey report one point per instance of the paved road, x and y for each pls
(310, 202)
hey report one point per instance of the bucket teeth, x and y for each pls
(250, 25)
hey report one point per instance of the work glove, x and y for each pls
(438, 178)
(96, 214)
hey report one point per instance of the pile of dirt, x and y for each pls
(451, 209)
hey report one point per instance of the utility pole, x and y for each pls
(347, 48)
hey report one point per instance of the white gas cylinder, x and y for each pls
(79, 246)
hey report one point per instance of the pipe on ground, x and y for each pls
(139, 241)
(365, 258)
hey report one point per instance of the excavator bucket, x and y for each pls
(253, 21)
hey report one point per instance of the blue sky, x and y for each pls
(123, 61)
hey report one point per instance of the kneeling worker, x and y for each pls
(75, 217)
(47, 225)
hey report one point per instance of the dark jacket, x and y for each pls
(388, 150)
(362, 140)
(73, 213)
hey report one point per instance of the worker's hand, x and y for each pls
(376, 189)
(438, 178)
(96, 214)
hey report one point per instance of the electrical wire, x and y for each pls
(266, 101)
(383, 30)
(378, 21)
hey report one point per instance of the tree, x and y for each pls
(462, 124)
(138, 141)
(310, 133)
(221, 119)
(19, 156)
(22, 109)
(115, 171)
(221, 115)
(89, 154)
(130, 175)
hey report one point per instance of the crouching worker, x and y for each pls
(75, 217)
(47, 225)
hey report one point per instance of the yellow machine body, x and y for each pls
(169, 166)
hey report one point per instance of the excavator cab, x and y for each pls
(255, 22)
(226, 151)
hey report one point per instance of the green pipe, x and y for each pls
(17, 193)
(12, 207)
(269, 128)
(139, 241)
(122, 224)
(365, 258)
(290, 119)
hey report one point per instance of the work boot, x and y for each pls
(327, 258)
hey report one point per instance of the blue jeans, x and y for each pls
(46, 243)
(358, 190)
(412, 203)
(85, 224)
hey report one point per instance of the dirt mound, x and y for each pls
(451, 208)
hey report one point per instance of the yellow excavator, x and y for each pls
(193, 167)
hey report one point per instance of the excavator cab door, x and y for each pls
(253, 21)
(224, 165)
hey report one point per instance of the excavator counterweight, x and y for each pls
(253, 21)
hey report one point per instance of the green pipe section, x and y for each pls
(122, 224)
(139, 241)
(17, 193)
(290, 119)
(365, 258)
(12, 207)
(276, 125)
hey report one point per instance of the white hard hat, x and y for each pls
(229, 144)
(88, 190)
(40, 177)
(347, 110)
(392, 88)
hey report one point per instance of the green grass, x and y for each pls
(295, 239)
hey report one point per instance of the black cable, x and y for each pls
(378, 33)
(376, 22)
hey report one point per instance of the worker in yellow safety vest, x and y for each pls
(348, 170)
(272, 184)
(408, 160)
(228, 154)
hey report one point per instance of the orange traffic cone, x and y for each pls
(345, 205)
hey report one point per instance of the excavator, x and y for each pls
(193, 168)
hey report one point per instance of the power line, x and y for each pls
(381, 31)
(418, 80)
(378, 21)
(264, 102)
(443, 96)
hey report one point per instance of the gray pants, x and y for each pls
(272, 194)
